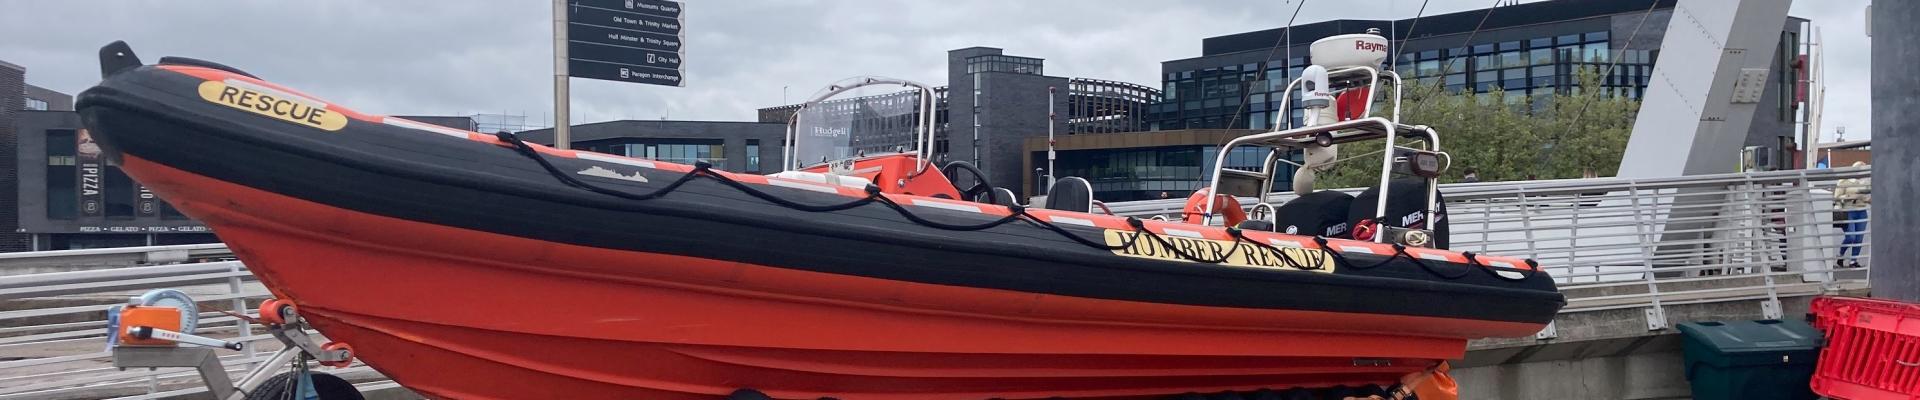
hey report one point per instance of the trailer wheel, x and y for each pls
(329, 387)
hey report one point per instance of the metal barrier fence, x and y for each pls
(1611, 243)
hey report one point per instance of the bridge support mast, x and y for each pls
(1896, 185)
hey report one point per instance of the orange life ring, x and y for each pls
(1195, 212)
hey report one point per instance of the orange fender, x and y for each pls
(1195, 212)
(1434, 384)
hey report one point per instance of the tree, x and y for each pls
(1506, 138)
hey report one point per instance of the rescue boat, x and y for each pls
(477, 265)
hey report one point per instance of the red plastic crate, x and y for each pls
(1873, 349)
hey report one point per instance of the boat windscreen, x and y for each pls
(854, 124)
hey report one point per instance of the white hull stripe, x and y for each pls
(1071, 220)
(1435, 257)
(587, 155)
(1285, 243)
(403, 123)
(1357, 249)
(1507, 274)
(802, 186)
(946, 205)
(1185, 233)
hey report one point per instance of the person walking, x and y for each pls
(1851, 199)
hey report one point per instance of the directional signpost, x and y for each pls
(637, 41)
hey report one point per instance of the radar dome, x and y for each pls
(1353, 50)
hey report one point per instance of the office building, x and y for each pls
(1529, 51)
(749, 147)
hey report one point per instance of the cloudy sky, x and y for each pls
(495, 56)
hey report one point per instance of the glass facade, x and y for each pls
(753, 156)
(1248, 96)
(1535, 67)
(1005, 63)
(63, 195)
(677, 153)
(1143, 173)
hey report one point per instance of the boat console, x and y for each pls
(1339, 101)
(831, 136)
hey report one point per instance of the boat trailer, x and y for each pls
(153, 331)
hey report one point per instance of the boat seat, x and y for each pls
(1004, 197)
(1255, 225)
(1407, 200)
(1322, 213)
(1071, 194)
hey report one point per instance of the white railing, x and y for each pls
(1615, 243)
(1611, 243)
(36, 262)
(53, 332)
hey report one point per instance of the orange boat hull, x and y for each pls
(464, 314)
(462, 269)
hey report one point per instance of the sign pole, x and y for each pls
(1050, 153)
(561, 139)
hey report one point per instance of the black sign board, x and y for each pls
(146, 204)
(92, 175)
(636, 41)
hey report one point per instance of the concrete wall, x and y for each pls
(1896, 183)
(1632, 376)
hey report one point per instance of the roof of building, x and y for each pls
(632, 128)
(1432, 25)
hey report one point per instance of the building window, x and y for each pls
(36, 104)
(1004, 63)
(753, 155)
(680, 153)
(168, 212)
(63, 201)
(119, 194)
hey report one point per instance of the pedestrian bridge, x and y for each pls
(1634, 257)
